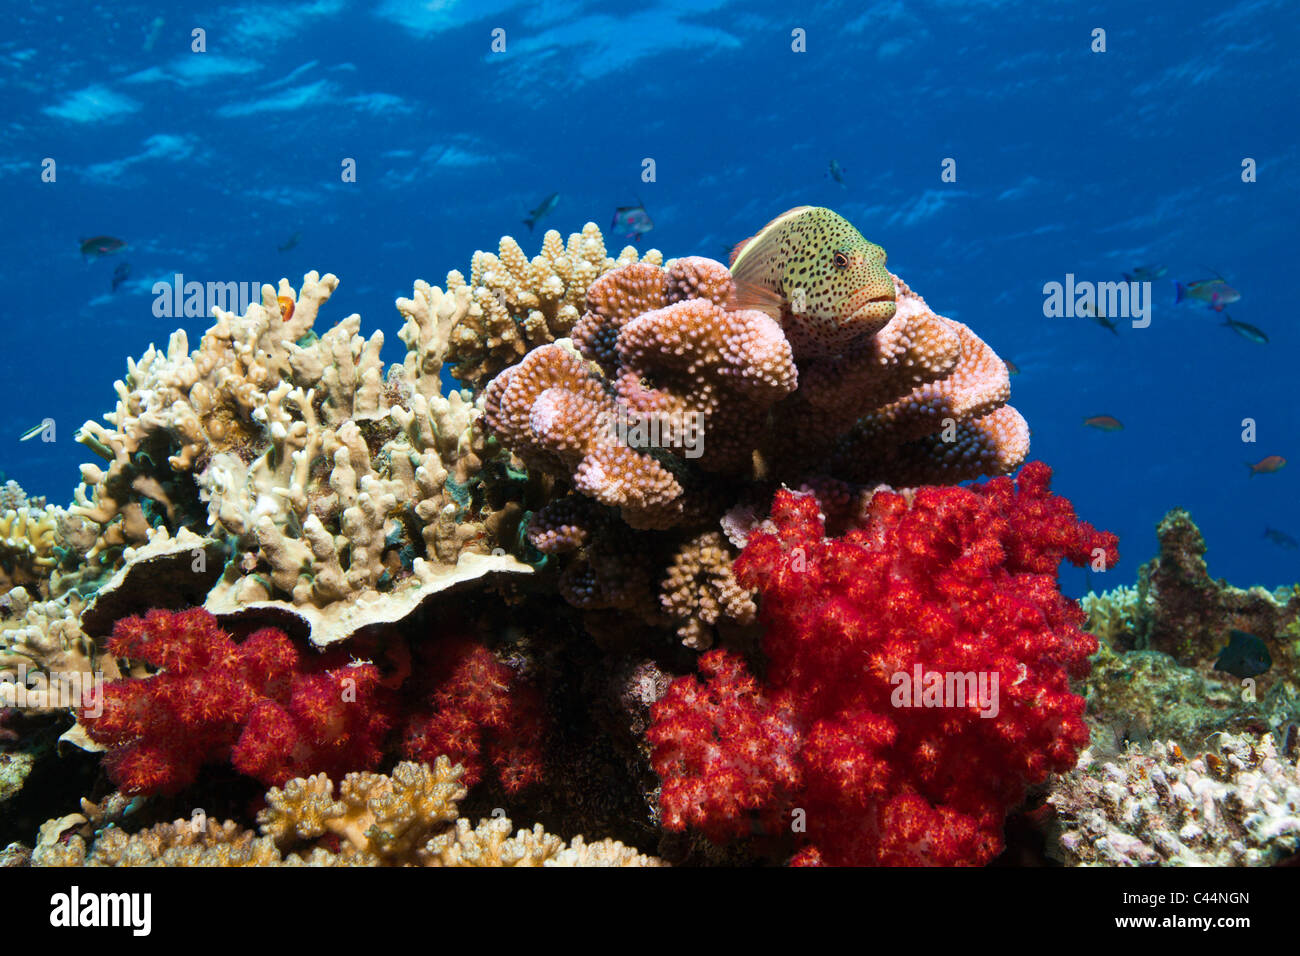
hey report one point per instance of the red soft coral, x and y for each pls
(257, 703)
(722, 750)
(960, 582)
(478, 707)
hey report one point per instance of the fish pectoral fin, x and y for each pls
(736, 250)
(755, 295)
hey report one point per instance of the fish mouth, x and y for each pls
(869, 308)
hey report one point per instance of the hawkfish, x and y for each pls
(813, 272)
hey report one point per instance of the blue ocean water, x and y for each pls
(1068, 161)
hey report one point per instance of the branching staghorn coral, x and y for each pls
(517, 305)
(330, 485)
(407, 818)
(1238, 804)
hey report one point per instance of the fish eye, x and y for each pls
(841, 261)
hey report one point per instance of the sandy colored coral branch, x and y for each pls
(408, 818)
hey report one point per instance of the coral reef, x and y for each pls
(1238, 804)
(669, 406)
(955, 582)
(498, 594)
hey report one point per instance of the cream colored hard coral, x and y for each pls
(339, 493)
(42, 643)
(28, 536)
(518, 304)
(400, 819)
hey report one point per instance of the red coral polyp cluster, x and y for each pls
(257, 704)
(479, 709)
(959, 588)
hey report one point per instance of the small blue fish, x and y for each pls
(541, 212)
(1100, 318)
(1281, 538)
(1145, 274)
(1245, 330)
(1245, 656)
(120, 274)
(837, 173)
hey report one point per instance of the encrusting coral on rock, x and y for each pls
(1156, 675)
(1237, 804)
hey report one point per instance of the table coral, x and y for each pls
(329, 484)
(955, 582)
(1237, 804)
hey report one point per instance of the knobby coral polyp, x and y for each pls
(960, 581)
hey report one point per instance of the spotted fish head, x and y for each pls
(833, 285)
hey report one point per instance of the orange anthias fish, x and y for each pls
(286, 307)
(1107, 423)
(813, 272)
(1267, 465)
